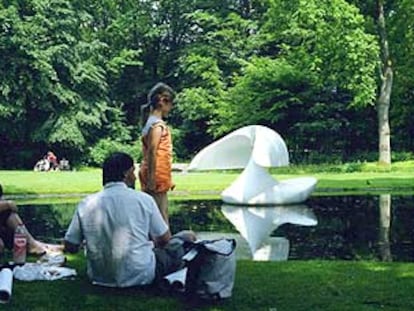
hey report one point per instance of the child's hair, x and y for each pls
(152, 99)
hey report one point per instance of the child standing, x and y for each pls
(155, 170)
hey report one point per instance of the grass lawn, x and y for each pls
(209, 184)
(267, 286)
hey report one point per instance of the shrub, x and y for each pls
(402, 156)
(352, 167)
(104, 147)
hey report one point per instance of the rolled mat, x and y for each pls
(6, 283)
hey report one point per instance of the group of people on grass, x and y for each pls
(125, 232)
(50, 162)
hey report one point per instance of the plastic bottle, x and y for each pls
(19, 245)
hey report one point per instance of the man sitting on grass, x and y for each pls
(126, 239)
(9, 220)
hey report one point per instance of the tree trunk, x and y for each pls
(383, 103)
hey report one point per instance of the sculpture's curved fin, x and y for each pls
(259, 143)
(269, 148)
(230, 152)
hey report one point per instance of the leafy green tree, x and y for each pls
(310, 54)
(53, 80)
(77, 72)
(206, 73)
(400, 22)
(390, 21)
(327, 40)
(197, 103)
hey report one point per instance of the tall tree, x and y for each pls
(386, 78)
(378, 13)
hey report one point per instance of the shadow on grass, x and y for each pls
(290, 285)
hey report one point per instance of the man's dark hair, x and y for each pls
(1, 191)
(115, 167)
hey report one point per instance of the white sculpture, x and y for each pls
(254, 148)
(256, 224)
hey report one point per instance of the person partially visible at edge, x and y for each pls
(9, 220)
(155, 169)
(126, 239)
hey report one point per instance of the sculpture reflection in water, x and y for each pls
(256, 224)
(255, 149)
(384, 227)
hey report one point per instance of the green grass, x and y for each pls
(366, 177)
(291, 285)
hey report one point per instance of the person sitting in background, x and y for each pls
(127, 241)
(64, 165)
(42, 165)
(51, 157)
(9, 220)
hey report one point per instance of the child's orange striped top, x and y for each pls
(163, 179)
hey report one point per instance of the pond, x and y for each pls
(372, 227)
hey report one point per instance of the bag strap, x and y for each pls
(224, 247)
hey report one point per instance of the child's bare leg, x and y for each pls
(1, 247)
(162, 201)
(33, 246)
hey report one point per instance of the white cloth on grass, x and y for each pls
(33, 271)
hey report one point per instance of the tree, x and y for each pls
(379, 12)
(218, 45)
(310, 54)
(386, 78)
(77, 72)
(53, 79)
(400, 22)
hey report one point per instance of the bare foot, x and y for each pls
(40, 248)
(36, 249)
(53, 248)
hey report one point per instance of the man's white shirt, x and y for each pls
(116, 225)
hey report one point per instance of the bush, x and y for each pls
(306, 157)
(398, 156)
(352, 167)
(99, 152)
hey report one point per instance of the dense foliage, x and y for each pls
(74, 74)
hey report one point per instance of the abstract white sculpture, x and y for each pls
(254, 148)
(256, 224)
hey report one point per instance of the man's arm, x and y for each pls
(162, 240)
(73, 234)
